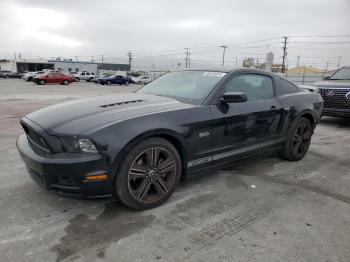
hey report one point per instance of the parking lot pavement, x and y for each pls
(259, 209)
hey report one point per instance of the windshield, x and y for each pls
(341, 74)
(186, 86)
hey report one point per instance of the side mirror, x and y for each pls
(233, 97)
(326, 78)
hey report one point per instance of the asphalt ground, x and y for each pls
(259, 209)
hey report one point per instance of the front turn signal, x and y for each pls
(96, 177)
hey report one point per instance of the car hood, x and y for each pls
(78, 116)
(333, 83)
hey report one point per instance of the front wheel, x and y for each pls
(109, 83)
(149, 174)
(298, 141)
(42, 82)
(65, 82)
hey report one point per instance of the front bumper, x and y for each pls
(336, 112)
(65, 174)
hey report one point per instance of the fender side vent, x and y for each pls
(122, 103)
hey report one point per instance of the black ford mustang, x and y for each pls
(138, 146)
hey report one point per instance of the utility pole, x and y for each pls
(187, 57)
(92, 59)
(236, 62)
(102, 59)
(284, 53)
(327, 66)
(223, 54)
(339, 61)
(130, 59)
(298, 60)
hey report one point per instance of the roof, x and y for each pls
(304, 69)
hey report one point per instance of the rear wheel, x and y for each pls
(126, 83)
(42, 82)
(298, 141)
(65, 82)
(149, 174)
(109, 82)
(77, 79)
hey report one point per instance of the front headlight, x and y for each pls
(85, 145)
(74, 145)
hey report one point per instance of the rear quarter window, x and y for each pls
(287, 87)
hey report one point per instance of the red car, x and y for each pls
(54, 77)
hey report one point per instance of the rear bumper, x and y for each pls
(66, 174)
(336, 112)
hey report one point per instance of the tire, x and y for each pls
(7, 77)
(298, 141)
(42, 82)
(65, 82)
(139, 82)
(142, 184)
(127, 83)
(30, 78)
(109, 83)
(77, 79)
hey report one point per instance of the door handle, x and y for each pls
(274, 108)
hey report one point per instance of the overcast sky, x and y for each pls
(91, 28)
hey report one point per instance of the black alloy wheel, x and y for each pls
(149, 175)
(299, 139)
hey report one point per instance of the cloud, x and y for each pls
(110, 27)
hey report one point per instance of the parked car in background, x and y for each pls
(54, 78)
(138, 146)
(120, 80)
(30, 75)
(5, 73)
(9, 74)
(88, 76)
(96, 79)
(143, 80)
(335, 91)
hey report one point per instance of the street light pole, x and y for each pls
(223, 54)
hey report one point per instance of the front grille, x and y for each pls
(35, 139)
(335, 98)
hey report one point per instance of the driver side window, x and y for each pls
(256, 87)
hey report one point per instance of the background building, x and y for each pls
(31, 65)
(304, 74)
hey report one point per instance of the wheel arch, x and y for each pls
(309, 115)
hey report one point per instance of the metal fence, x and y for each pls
(304, 79)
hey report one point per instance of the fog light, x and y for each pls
(96, 177)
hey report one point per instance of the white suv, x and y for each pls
(84, 76)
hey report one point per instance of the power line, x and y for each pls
(319, 36)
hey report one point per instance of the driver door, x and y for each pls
(245, 126)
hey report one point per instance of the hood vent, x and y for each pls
(122, 103)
